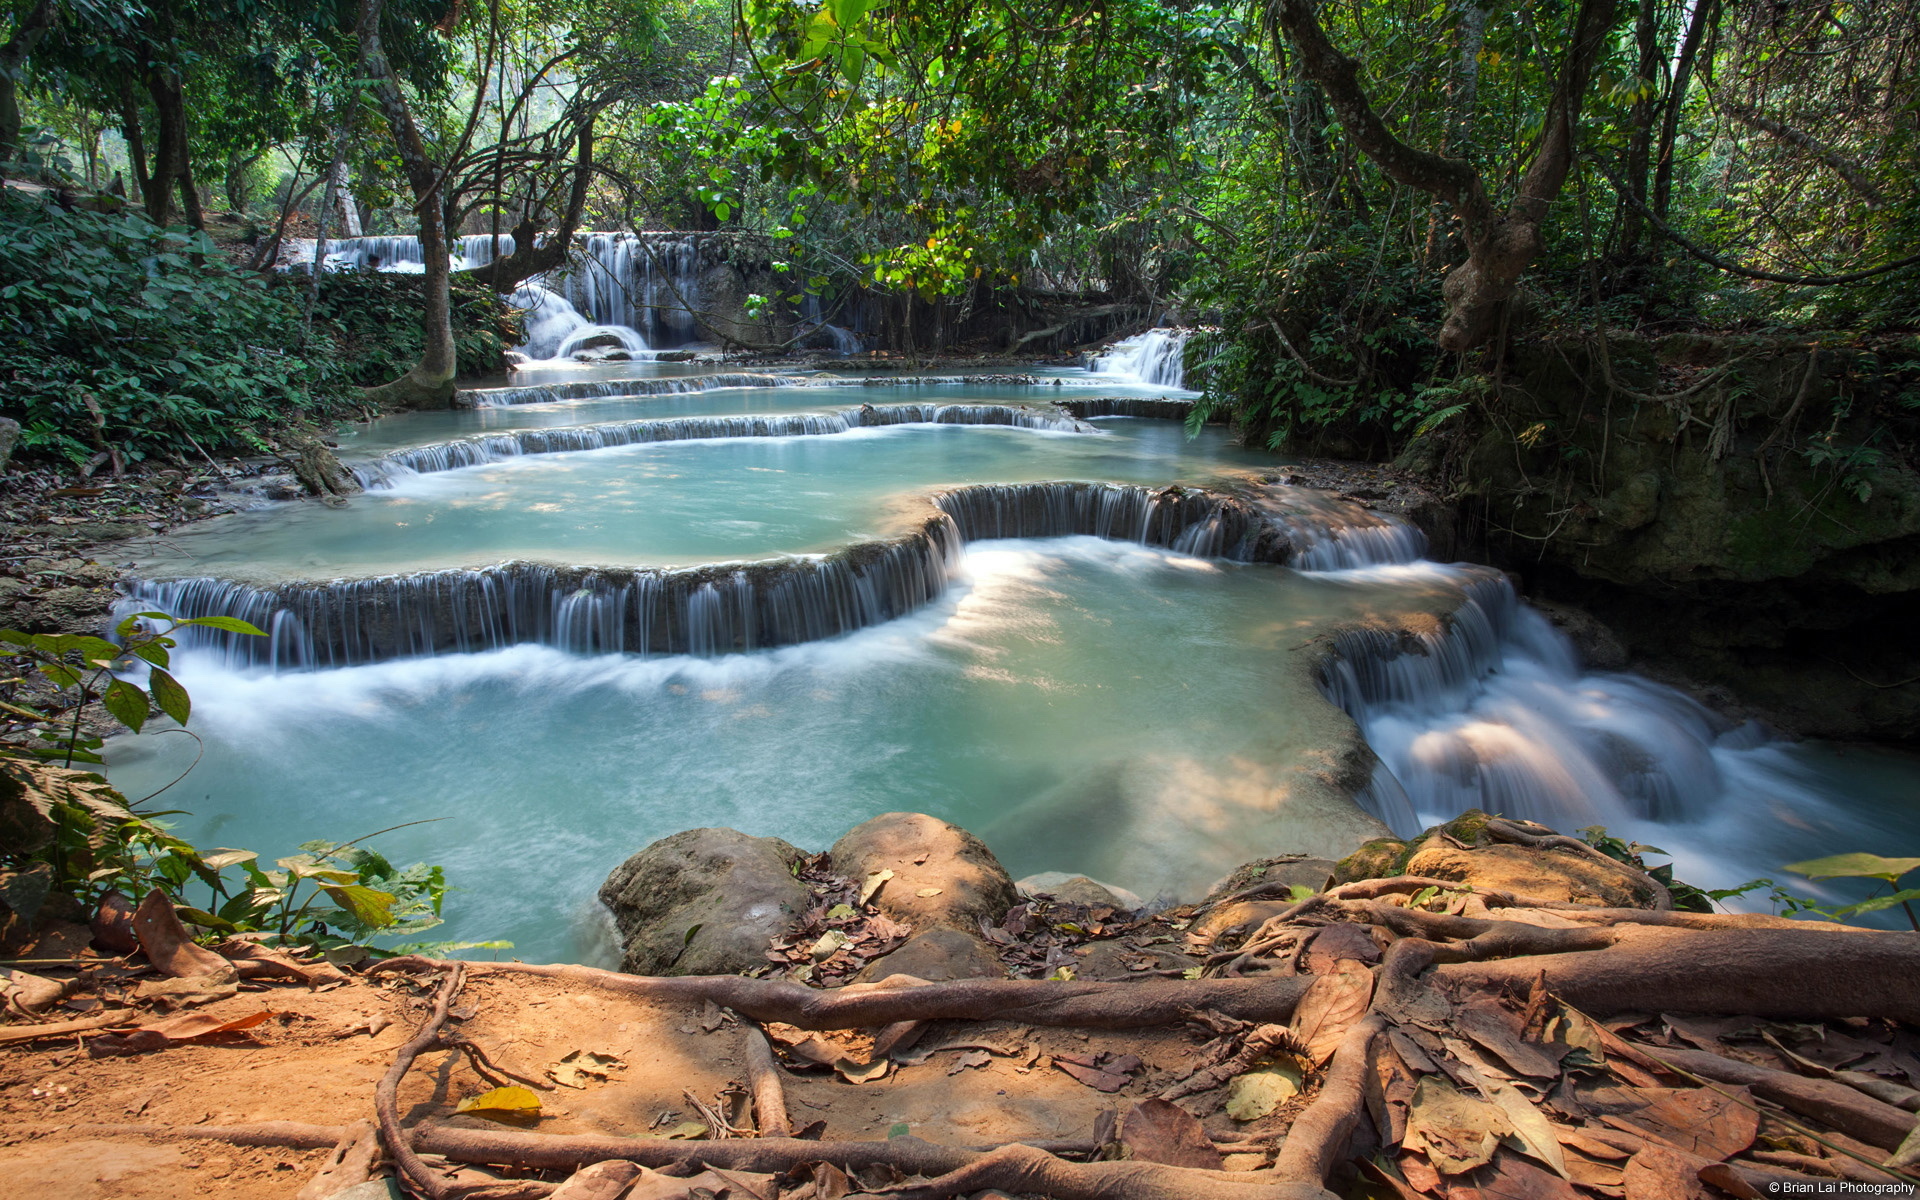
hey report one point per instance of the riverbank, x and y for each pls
(1284, 1037)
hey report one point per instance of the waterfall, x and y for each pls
(1129, 406)
(478, 451)
(1492, 710)
(1156, 358)
(399, 254)
(630, 389)
(706, 610)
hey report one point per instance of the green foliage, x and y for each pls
(119, 337)
(68, 832)
(1866, 866)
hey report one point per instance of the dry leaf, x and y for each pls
(873, 884)
(502, 1104)
(1510, 1178)
(1257, 1093)
(1534, 1132)
(1157, 1131)
(1696, 1120)
(972, 1058)
(1458, 1132)
(583, 1066)
(199, 1025)
(1489, 1023)
(854, 1072)
(1656, 1173)
(165, 940)
(1331, 1004)
(924, 893)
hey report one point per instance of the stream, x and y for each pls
(617, 601)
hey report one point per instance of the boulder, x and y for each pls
(964, 880)
(1462, 851)
(1114, 958)
(1078, 889)
(1283, 871)
(1544, 874)
(936, 956)
(703, 902)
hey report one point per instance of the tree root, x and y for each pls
(1835, 1104)
(1787, 973)
(1084, 1005)
(769, 1094)
(1315, 1141)
(386, 1095)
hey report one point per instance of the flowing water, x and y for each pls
(567, 647)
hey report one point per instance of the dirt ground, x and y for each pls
(314, 1061)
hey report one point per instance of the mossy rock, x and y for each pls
(1381, 858)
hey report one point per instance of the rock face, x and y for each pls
(1739, 510)
(925, 853)
(703, 902)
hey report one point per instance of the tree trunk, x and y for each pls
(173, 167)
(430, 383)
(13, 63)
(1704, 12)
(342, 183)
(1500, 247)
(136, 143)
(1646, 28)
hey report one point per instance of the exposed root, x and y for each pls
(763, 1080)
(1261, 1043)
(1315, 1142)
(386, 1095)
(1539, 837)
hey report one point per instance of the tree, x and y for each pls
(1500, 246)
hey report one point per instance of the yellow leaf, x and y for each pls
(503, 1103)
(923, 893)
(873, 884)
(1258, 1093)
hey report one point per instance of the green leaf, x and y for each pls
(1877, 903)
(221, 859)
(229, 624)
(127, 703)
(169, 695)
(1855, 866)
(370, 907)
(154, 652)
(61, 674)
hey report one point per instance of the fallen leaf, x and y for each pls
(924, 893)
(712, 1016)
(200, 1025)
(1157, 1131)
(1511, 1178)
(1343, 939)
(873, 884)
(1418, 1171)
(1530, 1127)
(1331, 1004)
(1093, 1077)
(854, 1072)
(1697, 1120)
(1656, 1173)
(165, 940)
(191, 989)
(503, 1104)
(1257, 1093)
(689, 1131)
(829, 942)
(1490, 1024)
(580, 1067)
(972, 1058)
(1458, 1132)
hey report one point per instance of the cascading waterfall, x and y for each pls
(707, 610)
(632, 389)
(1162, 409)
(477, 451)
(399, 254)
(1492, 710)
(1156, 357)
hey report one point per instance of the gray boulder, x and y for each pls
(703, 902)
(936, 956)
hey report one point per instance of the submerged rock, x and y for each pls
(943, 876)
(703, 902)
